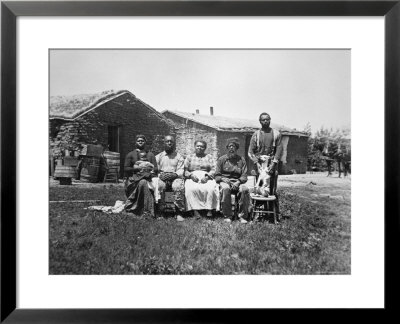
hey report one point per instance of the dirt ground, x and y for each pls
(313, 187)
(320, 177)
(332, 186)
(318, 185)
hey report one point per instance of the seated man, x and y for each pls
(170, 166)
(231, 174)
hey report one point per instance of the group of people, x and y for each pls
(343, 163)
(200, 185)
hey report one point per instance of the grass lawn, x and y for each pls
(312, 238)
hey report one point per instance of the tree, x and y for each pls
(307, 128)
(326, 143)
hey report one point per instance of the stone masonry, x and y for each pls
(127, 112)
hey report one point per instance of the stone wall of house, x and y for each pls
(295, 150)
(296, 158)
(71, 135)
(131, 115)
(187, 132)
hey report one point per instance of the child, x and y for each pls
(144, 164)
(146, 169)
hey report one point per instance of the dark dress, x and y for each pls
(140, 199)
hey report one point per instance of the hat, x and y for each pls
(233, 140)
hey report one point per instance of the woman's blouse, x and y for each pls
(132, 157)
(204, 163)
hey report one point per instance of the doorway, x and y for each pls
(113, 138)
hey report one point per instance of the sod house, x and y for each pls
(112, 119)
(215, 130)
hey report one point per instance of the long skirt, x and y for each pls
(140, 199)
(201, 195)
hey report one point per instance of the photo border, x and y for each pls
(11, 10)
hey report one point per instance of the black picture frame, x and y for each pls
(10, 10)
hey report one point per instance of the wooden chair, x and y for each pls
(235, 205)
(263, 207)
(111, 174)
(167, 202)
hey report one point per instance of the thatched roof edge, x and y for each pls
(106, 99)
(97, 103)
(192, 119)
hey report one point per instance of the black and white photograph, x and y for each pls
(199, 161)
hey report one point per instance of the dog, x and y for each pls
(263, 181)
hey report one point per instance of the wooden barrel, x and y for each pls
(92, 150)
(112, 158)
(65, 171)
(71, 161)
(90, 169)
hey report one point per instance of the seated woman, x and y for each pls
(138, 179)
(231, 174)
(201, 191)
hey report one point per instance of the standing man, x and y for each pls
(266, 143)
(170, 166)
(339, 159)
(231, 174)
(328, 161)
(346, 163)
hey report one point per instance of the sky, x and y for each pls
(295, 87)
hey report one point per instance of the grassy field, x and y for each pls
(312, 238)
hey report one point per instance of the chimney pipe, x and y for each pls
(197, 111)
(212, 111)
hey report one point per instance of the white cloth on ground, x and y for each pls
(119, 204)
(117, 208)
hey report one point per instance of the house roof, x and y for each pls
(227, 124)
(72, 107)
